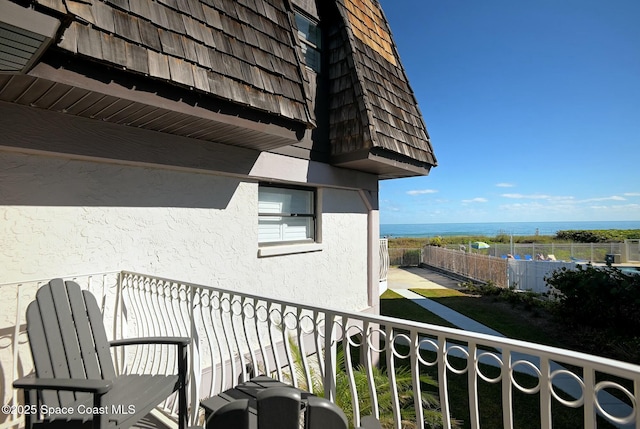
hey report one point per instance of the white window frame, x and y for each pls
(278, 213)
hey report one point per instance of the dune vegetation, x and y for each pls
(576, 236)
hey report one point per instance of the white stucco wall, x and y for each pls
(63, 217)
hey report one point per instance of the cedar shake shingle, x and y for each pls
(364, 61)
(246, 52)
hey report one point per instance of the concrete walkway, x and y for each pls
(400, 280)
(452, 316)
(419, 278)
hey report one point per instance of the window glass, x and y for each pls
(311, 38)
(285, 215)
(308, 30)
(311, 58)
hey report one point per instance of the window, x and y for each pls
(311, 38)
(286, 215)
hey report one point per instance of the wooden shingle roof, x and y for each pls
(372, 106)
(233, 72)
(242, 51)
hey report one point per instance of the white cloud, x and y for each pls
(617, 207)
(612, 198)
(527, 197)
(476, 200)
(521, 206)
(539, 197)
(631, 194)
(505, 185)
(422, 191)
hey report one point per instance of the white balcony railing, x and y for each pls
(384, 260)
(237, 335)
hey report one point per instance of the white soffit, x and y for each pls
(24, 35)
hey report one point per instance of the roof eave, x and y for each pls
(383, 163)
(212, 122)
(27, 33)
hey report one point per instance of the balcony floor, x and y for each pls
(150, 422)
(156, 420)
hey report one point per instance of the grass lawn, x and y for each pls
(515, 321)
(535, 324)
(511, 321)
(395, 305)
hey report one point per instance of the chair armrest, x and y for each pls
(99, 387)
(179, 341)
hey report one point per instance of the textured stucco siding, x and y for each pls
(62, 217)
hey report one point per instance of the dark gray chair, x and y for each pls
(274, 407)
(323, 414)
(279, 407)
(74, 372)
(234, 414)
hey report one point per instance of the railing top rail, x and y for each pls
(74, 276)
(568, 356)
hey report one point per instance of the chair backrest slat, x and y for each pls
(102, 347)
(67, 325)
(83, 333)
(53, 344)
(41, 358)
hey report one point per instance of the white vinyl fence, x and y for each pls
(530, 275)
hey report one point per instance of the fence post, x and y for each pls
(571, 250)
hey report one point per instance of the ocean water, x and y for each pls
(492, 229)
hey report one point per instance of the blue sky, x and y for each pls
(533, 108)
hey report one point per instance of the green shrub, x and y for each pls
(602, 297)
(598, 236)
(436, 241)
(528, 299)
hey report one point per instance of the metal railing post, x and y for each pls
(330, 351)
(195, 374)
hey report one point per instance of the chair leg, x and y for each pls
(30, 398)
(182, 392)
(182, 407)
(99, 420)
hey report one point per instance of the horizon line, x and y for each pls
(513, 221)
